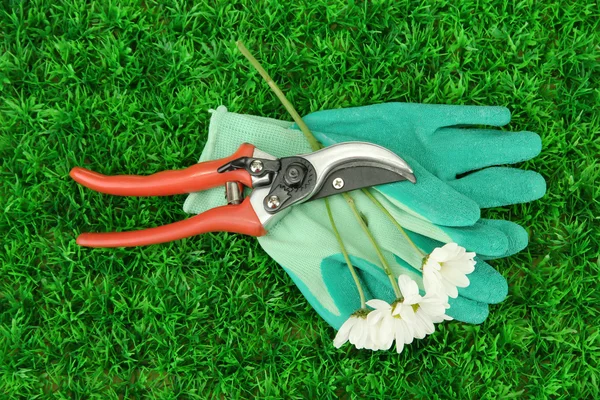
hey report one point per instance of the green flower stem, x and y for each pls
(391, 218)
(363, 225)
(314, 143)
(346, 257)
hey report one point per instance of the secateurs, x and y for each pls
(277, 183)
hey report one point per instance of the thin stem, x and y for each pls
(391, 218)
(314, 143)
(386, 266)
(346, 257)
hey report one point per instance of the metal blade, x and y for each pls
(332, 170)
(353, 178)
(355, 165)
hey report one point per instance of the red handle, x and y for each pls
(232, 218)
(198, 177)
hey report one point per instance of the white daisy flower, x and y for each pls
(446, 268)
(357, 331)
(404, 331)
(421, 312)
(395, 322)
(402, 321)
(435, 307)
(382, 321)
(421, 324)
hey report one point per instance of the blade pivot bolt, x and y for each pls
(294, 175)
(273, 202)
(256, 166)
(338, 183)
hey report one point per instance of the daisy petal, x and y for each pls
(374, 317)
(386, 333)
(342, 335)
(409, 334)
(378, 304)
(408, 287)
(450, 289)
(356, 333)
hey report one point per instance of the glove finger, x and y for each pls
(463, 150)
(480, 238)
(486, 284)
(430, 116)
(501, 186)
(517, 236)
(377, 122)
(469, 311)
(431, 199)
(451, 115)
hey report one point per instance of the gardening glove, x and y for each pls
(447, 141)
(228, 130)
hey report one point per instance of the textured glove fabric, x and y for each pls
(447, 141)
(303, 244)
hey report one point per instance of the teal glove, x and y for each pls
(429, 134)
(304, 244)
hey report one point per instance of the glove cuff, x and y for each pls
(227, 131)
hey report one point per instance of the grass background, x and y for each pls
(124, 87)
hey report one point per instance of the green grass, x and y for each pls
(124, 87)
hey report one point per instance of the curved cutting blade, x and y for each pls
(354, 165)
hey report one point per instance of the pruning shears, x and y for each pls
(277, 183)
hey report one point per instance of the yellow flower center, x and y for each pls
(362, 313)
(425, 259)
